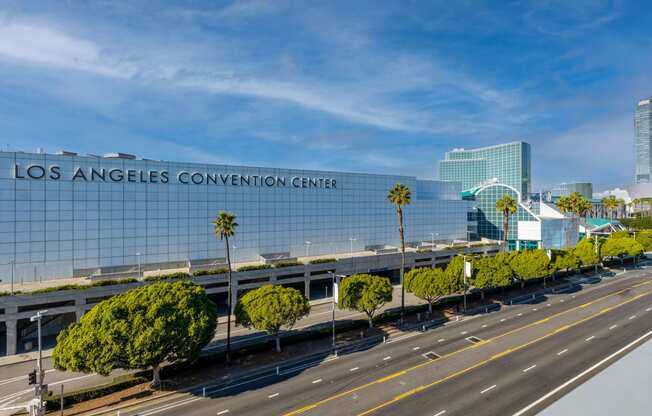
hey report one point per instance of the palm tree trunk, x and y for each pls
(399, 212)
(228, 305)
(505, 229)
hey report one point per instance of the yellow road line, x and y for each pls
(430, 362)
(499, 355)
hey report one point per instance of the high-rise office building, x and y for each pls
(643, 141)
(508, 163)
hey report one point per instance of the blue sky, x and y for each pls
(352, 85)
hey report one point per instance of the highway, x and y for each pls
(515, 361)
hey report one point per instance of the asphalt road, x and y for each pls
(520, 355)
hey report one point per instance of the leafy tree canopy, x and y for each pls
(620, 247)
(141, 328)
(429, 284)
(530, 264)
(365, 293)
(269, 308)
(454, 274)
(585, 252)
(565, 260)
(491, 272)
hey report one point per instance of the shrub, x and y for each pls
(319, 261)
(254, 267)
(52, 402)
(210, 272)
(98, 283)
(290, 263)
(177, 275)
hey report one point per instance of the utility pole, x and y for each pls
(596, 252)
(38, 407)
(335, 278)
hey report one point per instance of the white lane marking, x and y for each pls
(19, 378)
(441, 340)
(529, 368)
(632, 317)
(503, 320)
(354, 369)
(520, 314)
(590, 338)
(389, 357)
(317, 381)
(562, 301)
(562, 352)
(573, 296)
(484, 326)
(547, 304)
(648, 310)
(271, 396)
(416, 348)
(440, 413)
(534, 309)
(612, 327)
(488, 389)
(464, 332)
(582, 374)
(168, 407)
(223, 412)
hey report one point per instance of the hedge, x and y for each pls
(319, 261)
(254, 267)
(177, 275)
(52, 402)
(282, 264)
(99, 283)
(210, 272)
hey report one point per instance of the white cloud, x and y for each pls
(363, 99)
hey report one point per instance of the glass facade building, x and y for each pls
(67, 215)
(565, 189)
(508, 163)
(642, 120)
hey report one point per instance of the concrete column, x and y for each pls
(306, 285)
(12, 336)
(80, 304)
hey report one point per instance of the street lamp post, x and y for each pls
(432, 240)
(308, 248)
(335, 278)
(39, 364)
(351, 240)
(13, 267)
(138, 257)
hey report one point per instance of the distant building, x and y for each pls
(643, 141)
(508, 163)
(534, 225)
(565, 189)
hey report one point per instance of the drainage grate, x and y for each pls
(473, 340)
(431, 355)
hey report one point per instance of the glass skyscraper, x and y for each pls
(643, 141)
(508, 163)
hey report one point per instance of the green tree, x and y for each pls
(575, 203)
(530, 264)
(620, 247)
(491, 273)
(645, 240)
(365, 293)
(141, 328)
(224, 226)
(269, 308)
(400, 195)
(507, 206)
(565, 260)
(455, 274)
(428, 284)
(586, 253)
(610, 203)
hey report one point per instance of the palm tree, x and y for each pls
(400, 195)
(225, 226)
(610, 203)
(507, 206)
